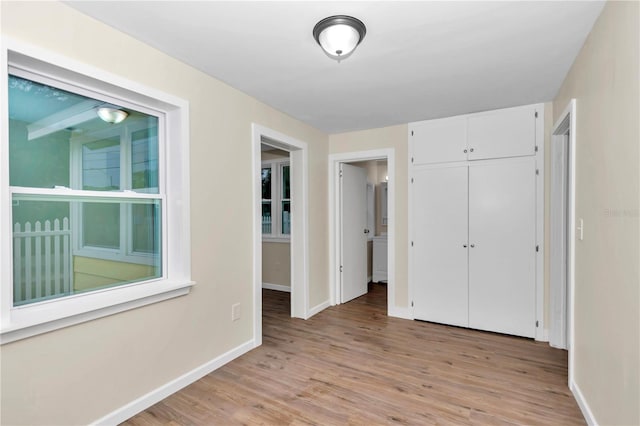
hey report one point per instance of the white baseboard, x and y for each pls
(404, 313)
(277, 287)
(582, 403)
(134, 407)
(318, 308)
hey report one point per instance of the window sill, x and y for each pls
(18, 330)
(276, 239)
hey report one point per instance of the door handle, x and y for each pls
(473, 245)
(464, 245)
(366, 231)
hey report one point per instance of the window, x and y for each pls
(88, 198)
(276, 199)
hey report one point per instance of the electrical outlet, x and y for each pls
(235, 312)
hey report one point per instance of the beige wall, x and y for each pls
(126, 355)
(388, 137)
(276, 263)
(604, 81)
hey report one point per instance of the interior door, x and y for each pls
(440, 246)
(559, 243)
(353, 212)
(502, 240)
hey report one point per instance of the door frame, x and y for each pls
(335, 235)
(566, 124)
(299, 243)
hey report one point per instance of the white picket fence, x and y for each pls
(41, 260)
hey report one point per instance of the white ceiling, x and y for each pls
(419, 60)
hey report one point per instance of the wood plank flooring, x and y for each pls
(351, 364)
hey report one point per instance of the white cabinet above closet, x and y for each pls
(509, 132)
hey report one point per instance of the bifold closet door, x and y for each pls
(502, 227)
(439, 249)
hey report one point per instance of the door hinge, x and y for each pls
(340, 173)
(412, 159)
(412, 133)
(536, 148)
(412, 303)
(411, 180)
(411, 243)
(537, 249)
(340, 268)
(537, 172)
(537, 324)
(536, 114)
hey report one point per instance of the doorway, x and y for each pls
(562, 232)
(337, 220)
(292, 220)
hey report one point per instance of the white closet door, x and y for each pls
(439, 141)
(502, 246)
(440, 262)
(507, 132)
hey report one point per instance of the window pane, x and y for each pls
(144, 157)
(45, 263)
(286, 217)
(266, 183)
(101, 165)
(266, 217)
(49, 126)
(145, 227)
(286, 187)
(101, 225)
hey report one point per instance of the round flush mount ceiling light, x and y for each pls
(112, 115)
(339, 35)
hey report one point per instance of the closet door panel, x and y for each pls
(439, 141)
(502, 228)
(507, 132)
(440, 256)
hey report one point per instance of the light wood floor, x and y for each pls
(351, 364)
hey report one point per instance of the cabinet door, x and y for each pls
(439, 235)
(502, 246)
(503, 133)
(439, 141)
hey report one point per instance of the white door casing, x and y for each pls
(440, 246)
(502, 246)
(353, 250)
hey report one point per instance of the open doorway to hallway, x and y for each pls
(362, 225)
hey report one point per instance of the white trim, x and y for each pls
(334, 229)
(570, 113)
(23, 331)
(268, 239)
(540, 166)
(299, 174)
(318, 308)
(175, 157)
(136, 406)
(404, 313)
(276, 287)
(584, 406)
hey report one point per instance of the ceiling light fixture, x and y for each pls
(112, 115)
(339, 35)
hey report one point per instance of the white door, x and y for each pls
(503, 133)
(440, 246)
(353, 212)
(559, 242)
(502, 251)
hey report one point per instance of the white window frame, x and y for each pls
(276, 234)
(28, 320)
